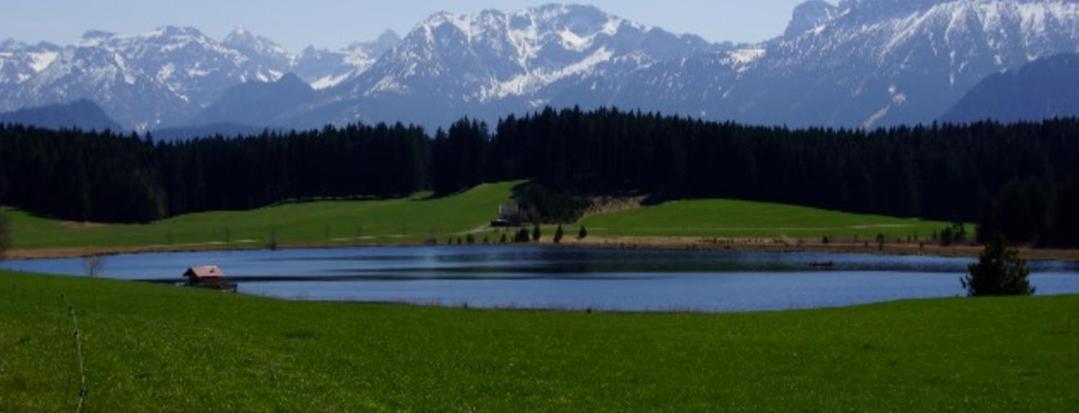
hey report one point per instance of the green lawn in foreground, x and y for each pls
(352, 222)
(158, 348)
(734, 219)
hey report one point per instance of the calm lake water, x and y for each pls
(556, 278)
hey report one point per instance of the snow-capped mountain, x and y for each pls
(324, 69)
(865, 63)
(492, 63)
(142, 80)
(159, 78)
(19, 62)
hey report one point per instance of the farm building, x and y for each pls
(203, 272)
(208, 276)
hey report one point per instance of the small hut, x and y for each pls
(510, 214)
(208, 276)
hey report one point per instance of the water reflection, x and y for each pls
(531, 277)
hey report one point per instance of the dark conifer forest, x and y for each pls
(1020, 180)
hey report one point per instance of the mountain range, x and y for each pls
(858, 63)
(1044, 88)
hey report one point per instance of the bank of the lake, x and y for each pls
(623, 242)
(149, 348)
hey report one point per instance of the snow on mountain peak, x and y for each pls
(495, 54)
(243, 39)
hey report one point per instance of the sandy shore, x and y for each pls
(675, 243)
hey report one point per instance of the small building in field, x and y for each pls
(208, 276)
(510, 214)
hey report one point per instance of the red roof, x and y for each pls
(205, 271)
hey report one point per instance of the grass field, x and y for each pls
(735, 219)
(418, 218)
(153, 348)
(353, 222)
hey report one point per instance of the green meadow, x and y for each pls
(734, 219)
(419, 218)
(394, 221)
(152, 348)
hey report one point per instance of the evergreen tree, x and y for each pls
(583, 233)
(536, 235)
(522, 236)
(999, 271)
(5, 234)
(558, 235)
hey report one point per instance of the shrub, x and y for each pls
(999, 271)
(558, 235)
(583, 233)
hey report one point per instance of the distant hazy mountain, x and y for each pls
(256, 103)
(1043, 89)
(81, 114)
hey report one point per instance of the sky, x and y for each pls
(336, 23)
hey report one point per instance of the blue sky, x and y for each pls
(335, 23)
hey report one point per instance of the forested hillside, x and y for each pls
(975, 172)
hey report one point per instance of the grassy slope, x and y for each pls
(416, 219)
(165, 348)
(390, 221)
(730, 218)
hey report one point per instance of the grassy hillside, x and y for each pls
(150, 348)
(418, 218)
(731, 218)
(390, 221)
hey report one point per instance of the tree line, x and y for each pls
(980, 172)
(106, 177)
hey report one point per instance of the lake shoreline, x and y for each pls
(632, 243)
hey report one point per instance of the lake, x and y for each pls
(570, 279)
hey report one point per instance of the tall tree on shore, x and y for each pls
(999, 271)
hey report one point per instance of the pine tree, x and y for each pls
(999, 271)
(558, 235)
(522, 236)
(536, 235)
(583, 233)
